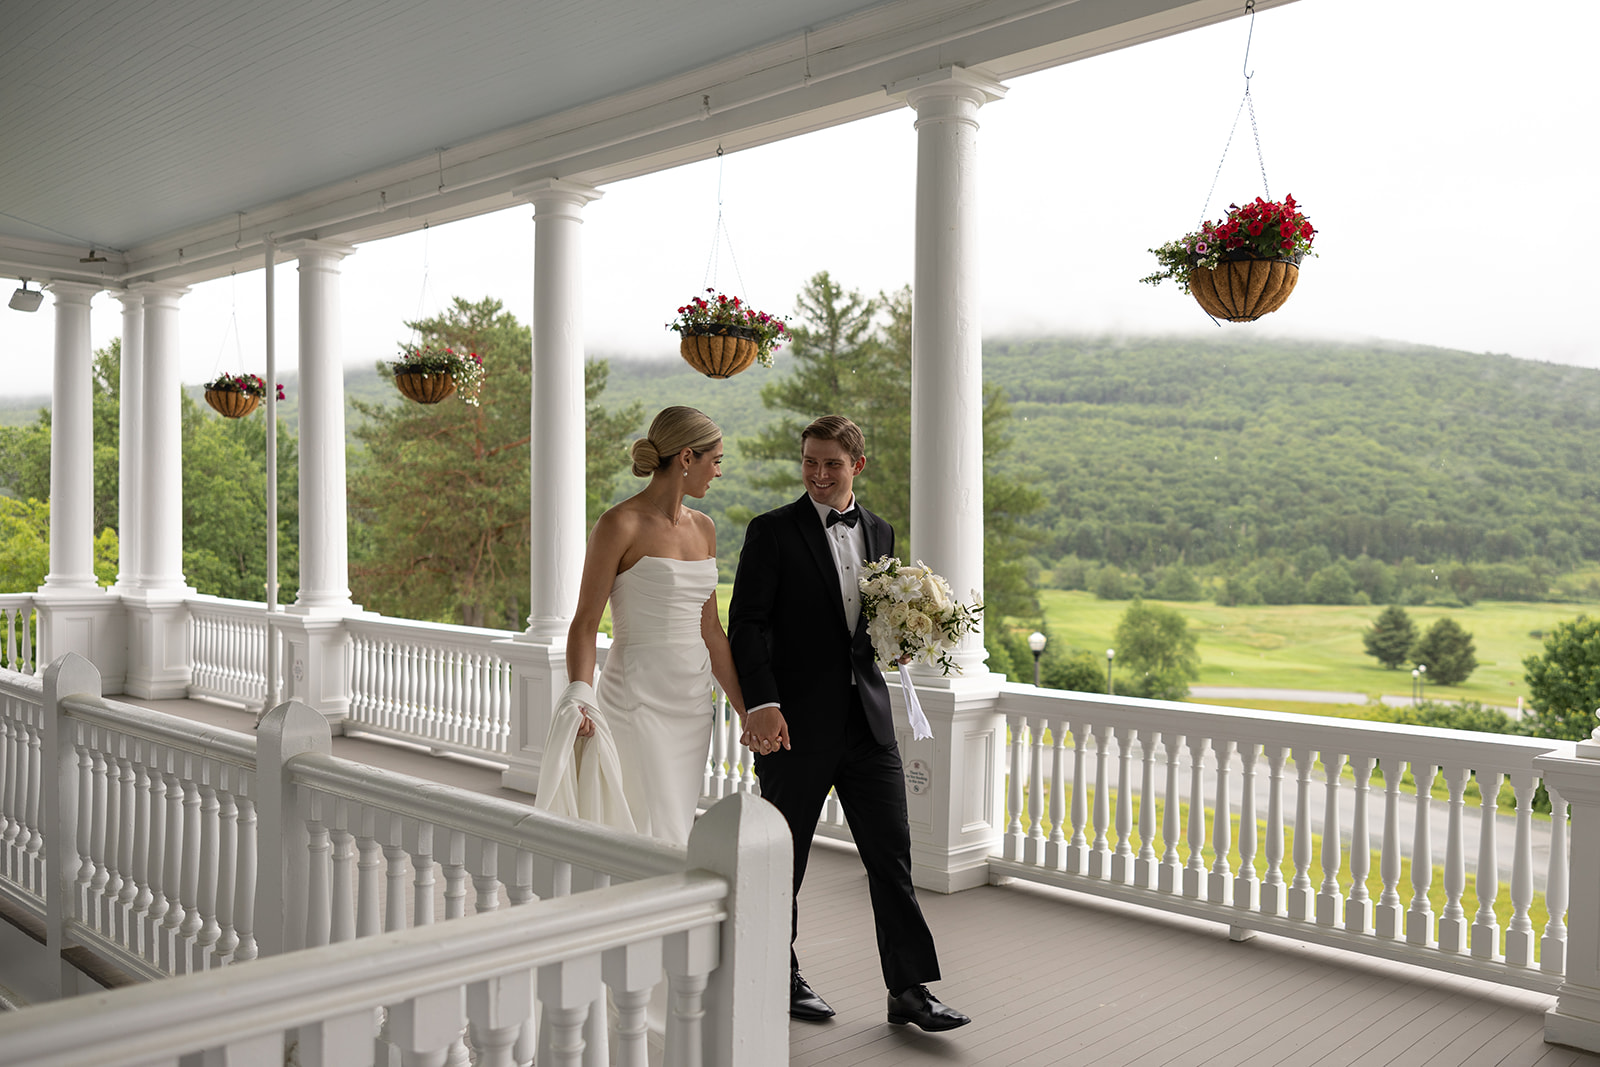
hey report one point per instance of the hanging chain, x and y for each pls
(719, 233)
(1246, 102)
(422, 294)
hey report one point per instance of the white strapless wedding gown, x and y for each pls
(656, 690)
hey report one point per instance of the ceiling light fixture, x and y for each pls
(92, 257)
(26, 299)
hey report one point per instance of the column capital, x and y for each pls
(550, 192)
(72, 292)
(132, 299)
(948, 82)
(159, 294)
(309, 248)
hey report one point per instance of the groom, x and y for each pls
(819, 710)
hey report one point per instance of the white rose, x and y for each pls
(933, 589)
(918, 623)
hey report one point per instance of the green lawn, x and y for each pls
(1307, 646)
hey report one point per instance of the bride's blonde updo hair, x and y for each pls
(674, 430)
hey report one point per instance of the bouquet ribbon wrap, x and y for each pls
(920, 730)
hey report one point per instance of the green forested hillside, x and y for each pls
(1159, 451)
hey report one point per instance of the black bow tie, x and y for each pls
(849, 518)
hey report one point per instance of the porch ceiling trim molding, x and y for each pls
(832, 74)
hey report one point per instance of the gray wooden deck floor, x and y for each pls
(1055, 978)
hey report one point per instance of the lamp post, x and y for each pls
(1422, 681)
(1036, 642)
(1110, 654)
(1415, 675)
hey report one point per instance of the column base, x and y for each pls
(539, 674)
(316, 658)
(90, 622)
(158, 643)
(955, 781)
(1575, 1020)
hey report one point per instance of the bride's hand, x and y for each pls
(766, 731)
(587, 729)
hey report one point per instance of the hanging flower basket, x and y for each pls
(718, 351)
(428, 374)
(236, 395)
(423, 386)
(1243, 266)
(1243, 290)
(720, 337)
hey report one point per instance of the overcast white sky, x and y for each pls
(1444, 151)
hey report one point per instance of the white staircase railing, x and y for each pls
(172, 849)
(228, 651)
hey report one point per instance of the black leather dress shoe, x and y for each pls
(917, 1005)
(804, 1002)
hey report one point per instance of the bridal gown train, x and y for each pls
(655, 690)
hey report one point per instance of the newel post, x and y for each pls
(69, 676)
(744, 839)
(1574, 774)
(288, 730)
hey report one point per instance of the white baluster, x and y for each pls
(338, 1042)
(1390, 913)
(394, 855)
(9, 826)
(127, 807)
(83, 888)
(496, 1010)
(483, 858)
(1170, 879)
(227, 872)
(1144, 868)
(1358, 908)
(1055, 850)
(1247, 884)
(1553, 945)
(1033, 848)
(173, 876)
(154, 864)
(1520, 934)
(1453, 923)
(520, 890)
(189, 877)
(630, 972)
(566, 989)
(1122, 860)
(369, 861)
(1100, 853)
(342, 905)
(1300, 890)
(96, 853)
(1012, 846)
(319, 871)
(689, 958)
(1219, 887)
(205, 943)
(139, 870)
(1329, 900)
(455, 876)
(1194, 871)
(1486, 924)
(425, 1027)
(421, 845)
(1419, 916)
(1078, 844)
(244, 916)
(109, 924)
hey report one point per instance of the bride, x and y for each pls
(656, 561)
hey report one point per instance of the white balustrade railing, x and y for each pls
(228, 651)
(445, 687)
(19, 633)
(1169, 782)
(171, 848)
(21, 818)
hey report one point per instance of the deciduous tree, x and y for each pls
(1156, 651)
(1564, 680)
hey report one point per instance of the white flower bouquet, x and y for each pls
(910, 611)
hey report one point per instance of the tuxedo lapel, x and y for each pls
(804, 515)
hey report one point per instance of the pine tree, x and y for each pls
(1447, 650)
(1391, 637)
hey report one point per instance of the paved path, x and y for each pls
(1311, 696)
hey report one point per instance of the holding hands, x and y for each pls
(765, 731)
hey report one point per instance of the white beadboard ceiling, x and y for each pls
(175, 135)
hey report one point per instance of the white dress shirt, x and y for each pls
(849, 547)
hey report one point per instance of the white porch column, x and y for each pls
(317, 648)
(954, 793)
(71, 446)
(75, 614)
(556, 480)
(130, 421)
(158, 620)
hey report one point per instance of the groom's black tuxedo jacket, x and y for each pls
(787, 625)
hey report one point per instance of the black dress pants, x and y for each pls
(870, 784)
